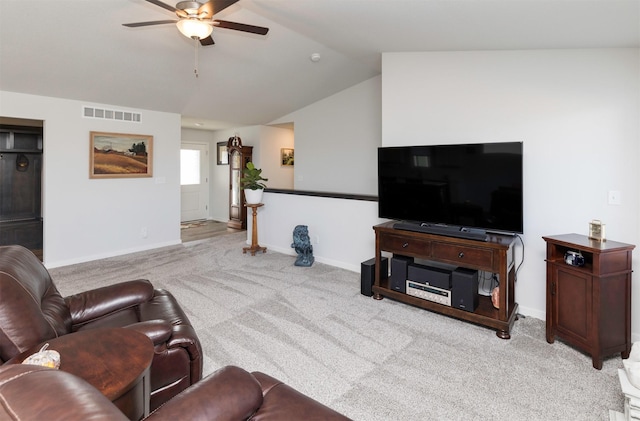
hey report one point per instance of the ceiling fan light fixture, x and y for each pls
(194, 28)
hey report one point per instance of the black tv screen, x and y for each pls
(465, 185)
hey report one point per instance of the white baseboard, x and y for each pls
(51, 265)
(532, 312)
(319, 259)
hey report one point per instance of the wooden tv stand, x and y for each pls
(495, 256)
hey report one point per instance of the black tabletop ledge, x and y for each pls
(349, 196)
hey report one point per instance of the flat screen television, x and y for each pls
(464, 188)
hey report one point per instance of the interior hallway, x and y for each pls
(199, 230)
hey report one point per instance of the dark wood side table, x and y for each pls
(589, 306)
(254, 231)
(115, 361)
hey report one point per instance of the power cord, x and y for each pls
(521, 261)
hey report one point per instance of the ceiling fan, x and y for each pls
(195, 19)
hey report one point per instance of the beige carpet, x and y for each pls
(371, 360)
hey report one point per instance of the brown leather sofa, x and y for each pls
(33, 311)
(30, 392)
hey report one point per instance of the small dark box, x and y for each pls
(368, 274)
(464, 294)
(399, 265)
(434, 276)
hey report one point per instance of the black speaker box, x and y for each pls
(368, 274)
(399, 267)
(464, 289)
(437, 277)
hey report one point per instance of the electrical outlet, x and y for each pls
(143, 232)
(317, 239)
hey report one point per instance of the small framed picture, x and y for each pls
(223, 154)
(286, 157)
(596, 230)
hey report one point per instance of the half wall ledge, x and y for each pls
(349, 196)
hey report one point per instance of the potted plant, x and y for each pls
(252, 183)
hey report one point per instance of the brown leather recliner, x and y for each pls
(33, 311)
(31, 392)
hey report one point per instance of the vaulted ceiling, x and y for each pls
(78, 49)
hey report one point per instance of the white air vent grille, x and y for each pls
(93, 112)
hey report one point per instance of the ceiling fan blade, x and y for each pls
(207, 41)
(212, 7)
(154, 22)
(163, 5)
(260, 30)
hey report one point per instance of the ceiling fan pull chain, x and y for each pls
(195, 68)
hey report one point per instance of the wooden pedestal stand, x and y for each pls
(254, 231)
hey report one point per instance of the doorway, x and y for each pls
(21, 159)
(194, 181)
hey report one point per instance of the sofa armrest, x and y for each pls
(31, 392)
(184, 336)
(230, 393)
(282, 402)
(164, 306)
(93, 304)
(159, 331)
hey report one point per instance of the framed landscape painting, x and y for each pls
(115, 155)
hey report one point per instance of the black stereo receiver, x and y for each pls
(455, 288)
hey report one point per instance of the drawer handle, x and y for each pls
(461, 254)
(405, 245)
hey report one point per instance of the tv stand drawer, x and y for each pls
(405, 245)
(470, 257)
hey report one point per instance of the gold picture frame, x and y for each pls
(596, 230)
(223, 153)
(286, 157)
(117, 155)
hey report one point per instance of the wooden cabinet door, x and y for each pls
(572, 304)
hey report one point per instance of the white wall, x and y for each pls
(267, 142)
(341, 230)
(337, 140)
(272, 140)
(576, 112)
(86, 219)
